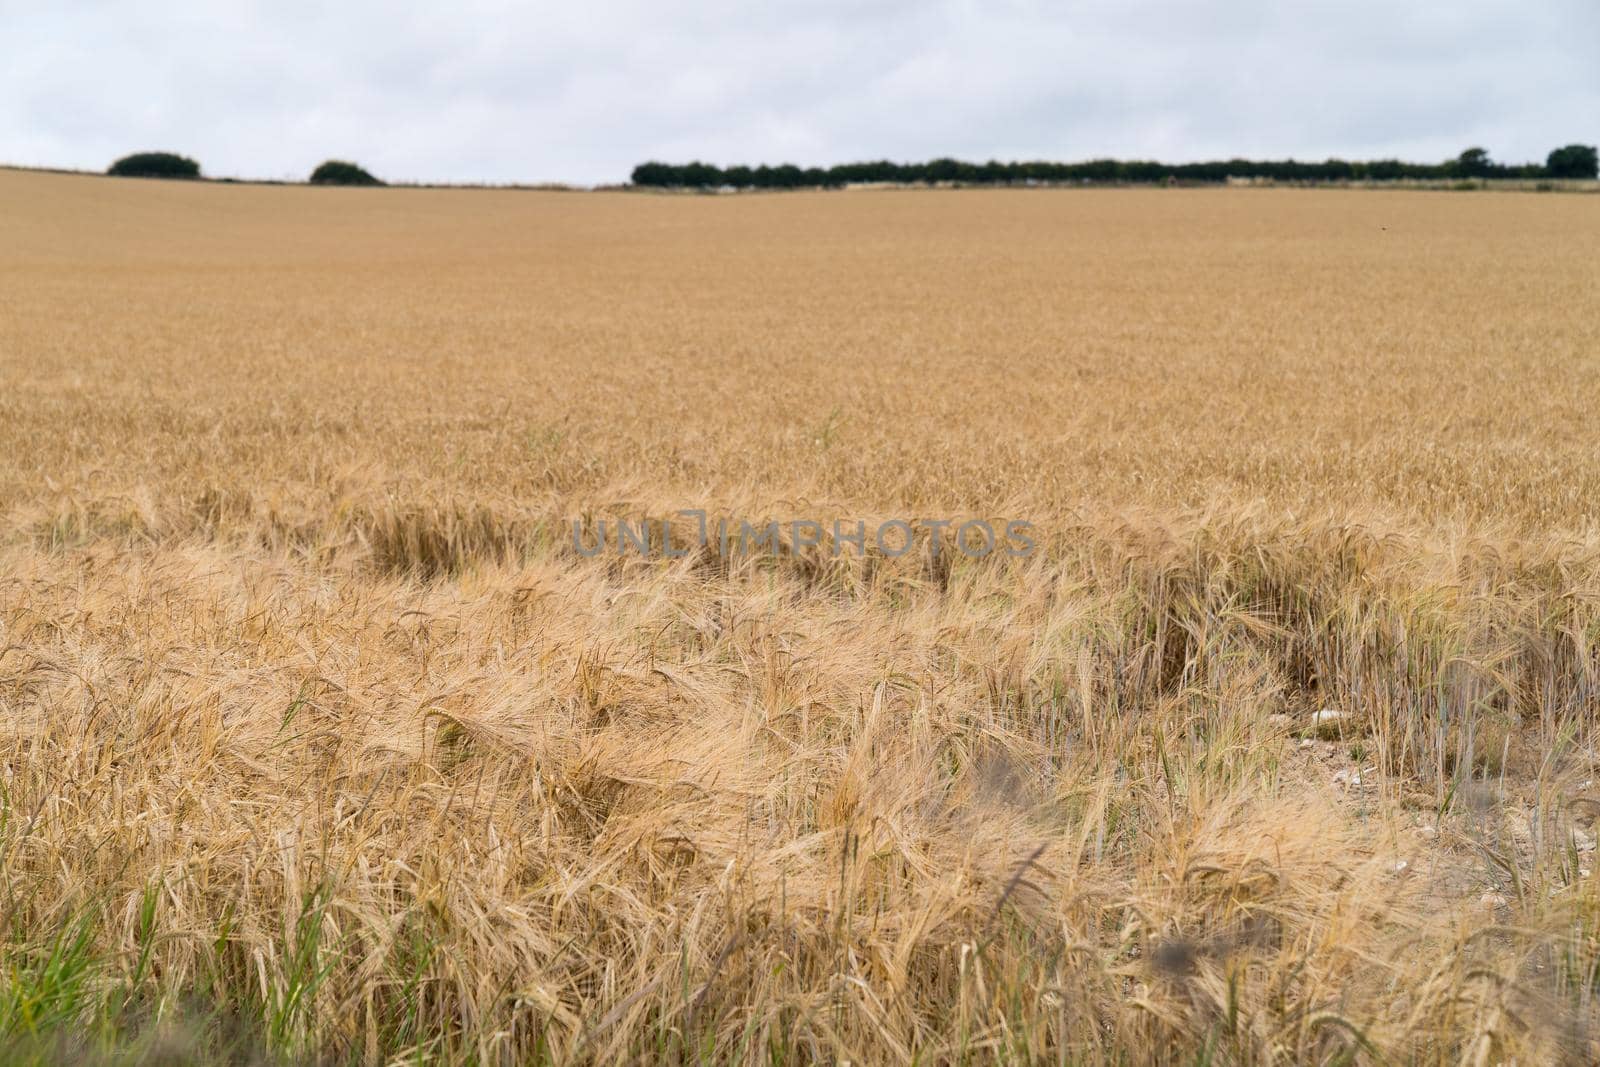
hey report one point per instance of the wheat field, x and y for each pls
(321, 739)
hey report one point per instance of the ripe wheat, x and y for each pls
(319, 737)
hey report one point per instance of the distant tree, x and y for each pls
(1573, 161)
(1338, 170)
(993, 172)
(1473, 163)
(154, 165)
(1100, 170)
(1467, 168)
(787, 176)
(1143, 171)
(656, 174)
(700, 175)
(339, 172)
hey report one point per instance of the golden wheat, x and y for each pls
(321, 739)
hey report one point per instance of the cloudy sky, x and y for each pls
(477, 90)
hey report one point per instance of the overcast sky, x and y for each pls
(475, 90)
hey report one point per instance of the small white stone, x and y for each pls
(1326, 722)
(1400, 865)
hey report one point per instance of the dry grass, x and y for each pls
(319, 740)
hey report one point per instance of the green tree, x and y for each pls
(1473, 163)
(339, 172)
(656, 174)
(698, 175)
(154, 165)
(1573, 161)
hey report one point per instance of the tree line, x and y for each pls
(172, 165)
(1570, 161)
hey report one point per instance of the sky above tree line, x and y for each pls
(502, 92)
